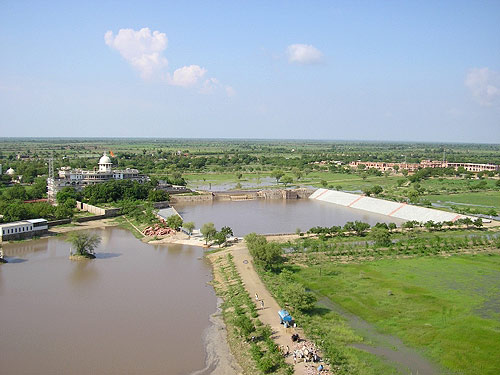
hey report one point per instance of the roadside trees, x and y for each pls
(267, 255)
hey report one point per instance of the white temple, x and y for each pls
(79, 178)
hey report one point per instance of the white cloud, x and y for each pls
(484, 85)
(210, 85)
(186, 76)
(142, 49)
(304, 54)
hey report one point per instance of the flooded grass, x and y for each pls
(447, 308)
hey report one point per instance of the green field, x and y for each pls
(487, 198)
(446, 307)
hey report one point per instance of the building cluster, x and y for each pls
(79, 178)
(412, 167)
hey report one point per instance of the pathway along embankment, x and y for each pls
(397, 210)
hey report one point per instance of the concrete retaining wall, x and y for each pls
(97, 210)
(163, 204)
(380, 206)
(90, 218)
(58, 222)
(191, 198)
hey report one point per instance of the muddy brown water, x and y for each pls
(137, 309)
(270, 216)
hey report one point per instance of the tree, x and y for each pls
(377, 189)
(296, 296)
(158, 196)
(208, 231)
(189, 226)
(16, 192)
(429, 225)
(391, 226)
(39, 188)
(360, 227)
(381, 236)
(174, 222)
(297, 172)
(266, 255)
(84, 243)
(277, 174)
(478, 223)
(286, 180)
(221, 237)
(66, 193)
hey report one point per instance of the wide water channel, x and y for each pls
(136, 309)
(269, 216)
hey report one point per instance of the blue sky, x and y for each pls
(365, 70)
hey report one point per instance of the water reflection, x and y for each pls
(84, 272)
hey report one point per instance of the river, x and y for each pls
(136, 309)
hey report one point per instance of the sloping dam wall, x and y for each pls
(380, 206)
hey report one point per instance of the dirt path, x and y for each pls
(269, 314)
(86, 225)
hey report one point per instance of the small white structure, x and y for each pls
(10, 172)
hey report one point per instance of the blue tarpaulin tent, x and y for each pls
(284, 316)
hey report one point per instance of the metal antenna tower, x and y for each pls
(50, 180)
(51, 167)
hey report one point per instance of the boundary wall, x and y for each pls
(397, 210)
(97, 210)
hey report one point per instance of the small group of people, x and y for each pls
(261, 301)
(306, 354)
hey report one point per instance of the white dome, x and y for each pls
(10, 171)
(105, 159)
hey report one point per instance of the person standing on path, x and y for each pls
(256, 296)
(262, 303)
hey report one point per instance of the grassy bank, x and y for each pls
(447, 307)
(439, 295)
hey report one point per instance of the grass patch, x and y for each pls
(449, 308)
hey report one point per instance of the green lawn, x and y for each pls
(487, 198)
(448, 308)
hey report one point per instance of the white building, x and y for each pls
(79, 178)
(22, 229)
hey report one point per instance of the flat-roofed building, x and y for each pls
(19, 230)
